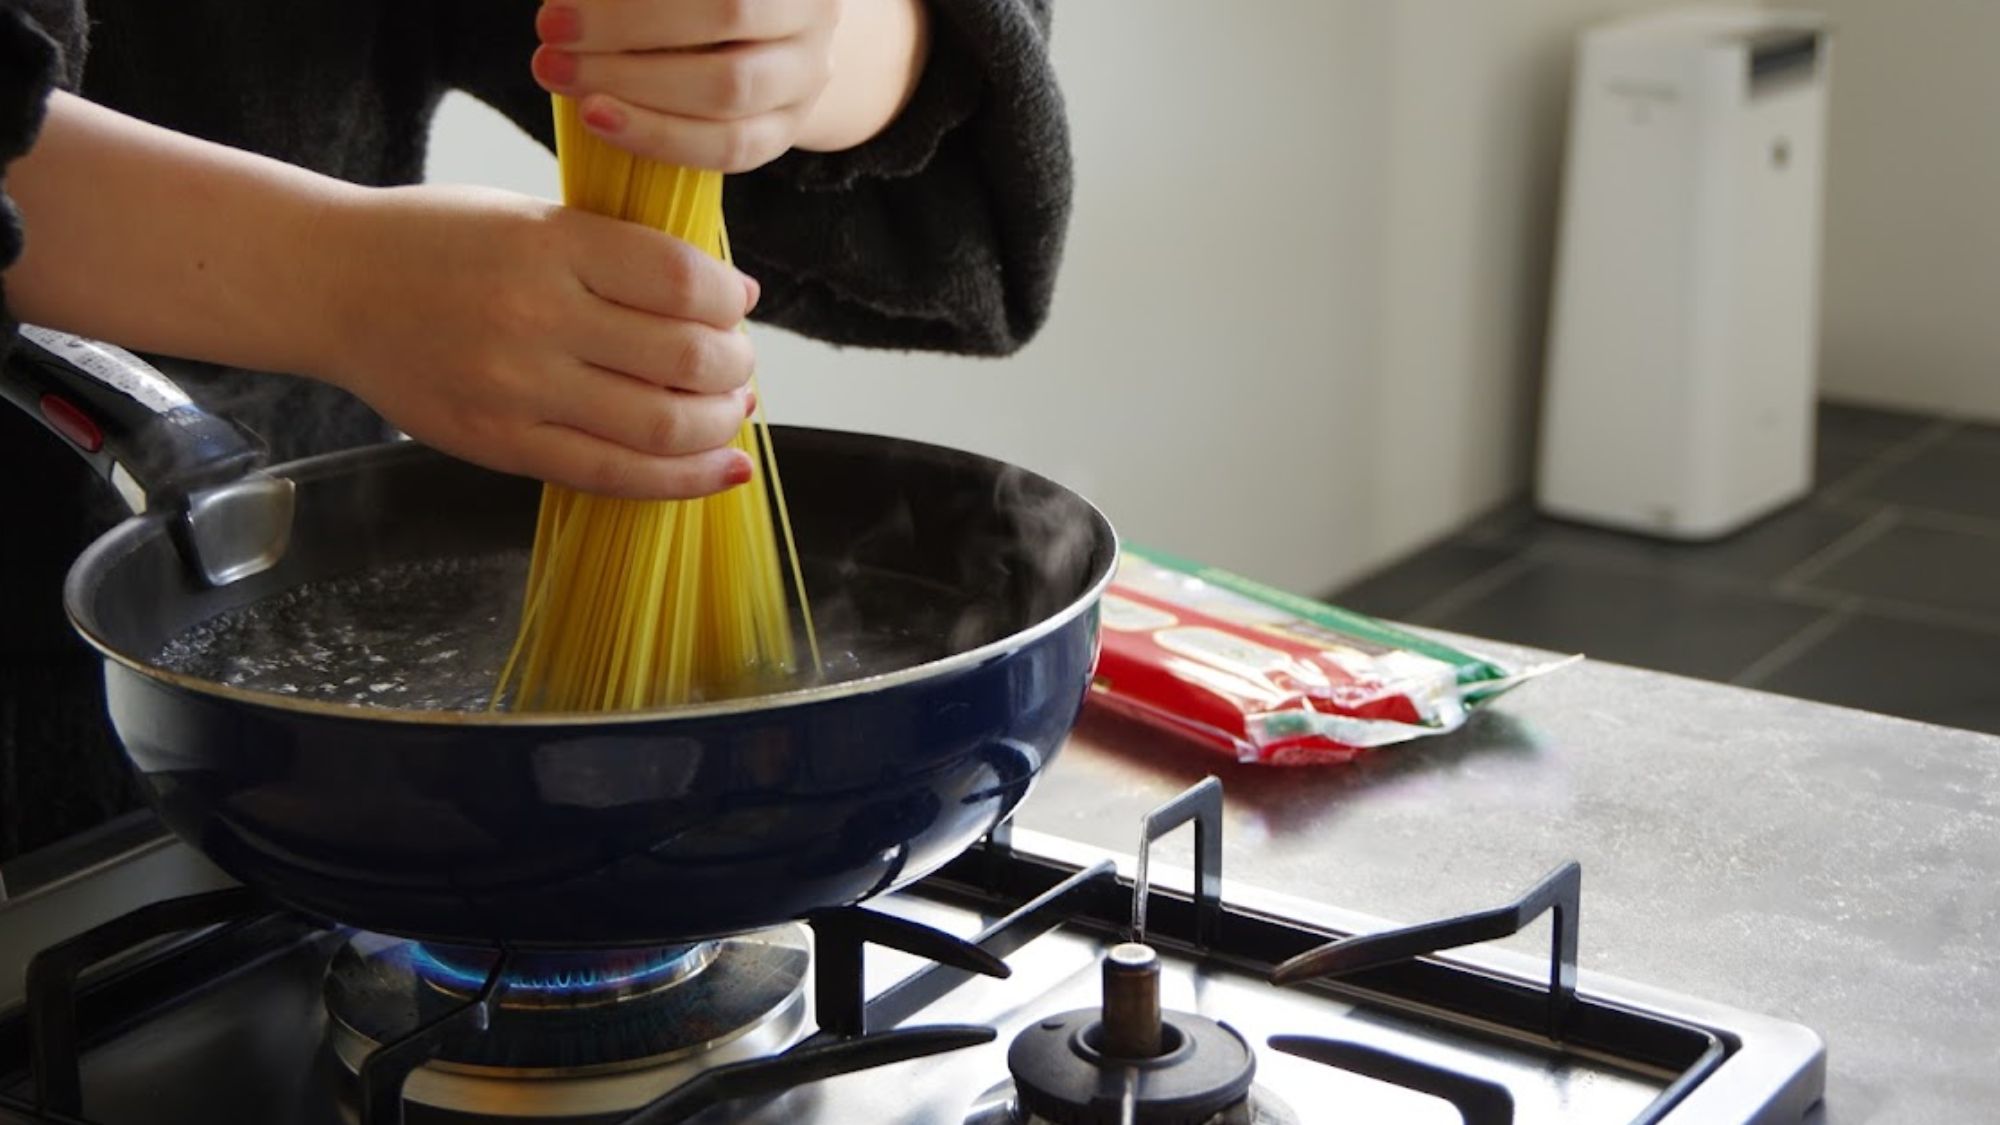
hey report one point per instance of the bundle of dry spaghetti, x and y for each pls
(634, 604)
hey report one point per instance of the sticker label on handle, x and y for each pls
(113, 366)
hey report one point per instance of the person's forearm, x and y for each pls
(506, 330)
(168, 244)
(879, 50)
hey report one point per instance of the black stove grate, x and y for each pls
(387, 1068)
(67, 1012)
(810, 1061)
(1559, 895)
(56, 1008)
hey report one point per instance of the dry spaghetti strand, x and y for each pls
(634, 604)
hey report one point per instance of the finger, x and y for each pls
(719, 85)
(583, 461)
(725, 146)
(622, 25)
(646, 419)
(646, 270)
(676, 354)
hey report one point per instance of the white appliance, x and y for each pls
(1684, 326)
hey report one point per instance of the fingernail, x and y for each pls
(750, 404)
(751, 291)
(558, 23)
(739, 471)
(604, 117)
(553, 67)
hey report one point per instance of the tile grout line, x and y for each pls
(1897, 455)
(1817, 563)
(1473, 588)
(1793, 647)
(1908, 613)
(1824, 488)
(1939, 519)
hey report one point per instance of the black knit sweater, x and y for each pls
(944, 233)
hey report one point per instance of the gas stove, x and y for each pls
(1032, 980)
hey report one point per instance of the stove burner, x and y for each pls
(1129, 1062)
(1062, 1073)
(560, 979)
(572, 1034)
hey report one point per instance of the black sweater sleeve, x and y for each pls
(41, 47)
(943, 233)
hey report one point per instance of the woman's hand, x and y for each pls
(732, 84)
(507, 331)
(539, 340)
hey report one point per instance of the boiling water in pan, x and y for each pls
(434, 635)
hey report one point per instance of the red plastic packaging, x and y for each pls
(1270, 677)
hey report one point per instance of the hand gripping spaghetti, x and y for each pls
(634, 604)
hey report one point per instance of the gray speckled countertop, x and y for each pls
(1829, 867)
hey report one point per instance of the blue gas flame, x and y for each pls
(586, 976)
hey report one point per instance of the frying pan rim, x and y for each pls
(113, 544)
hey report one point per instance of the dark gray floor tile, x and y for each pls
(1709, 610)
(1942, 568)
(1501, 527)
(1867, 429)
(1760, 553)
(1980, 435)
(1398, 589)
(1662, 621)
(1938, 675)
(1833, 464)
(1960, 474)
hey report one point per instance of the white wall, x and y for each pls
(1478, 98)
(1299, 324)
(1911, 312)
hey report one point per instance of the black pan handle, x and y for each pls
(160, 450)
(133, 424)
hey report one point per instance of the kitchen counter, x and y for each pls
(1826, 866)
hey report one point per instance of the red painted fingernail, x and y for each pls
(558, 23)
(751, 291)
(604, 118)
(739, 471)
(750, 404)
(553, 67)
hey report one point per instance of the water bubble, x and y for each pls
(433, 635)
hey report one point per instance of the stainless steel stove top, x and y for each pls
(245, 1036)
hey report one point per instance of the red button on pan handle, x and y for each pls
(67, 419)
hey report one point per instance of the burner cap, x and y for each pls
(562, 1015)
(1062, 1075)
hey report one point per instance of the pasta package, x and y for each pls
(1273, 678)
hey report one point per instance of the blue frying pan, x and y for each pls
(568, 830)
